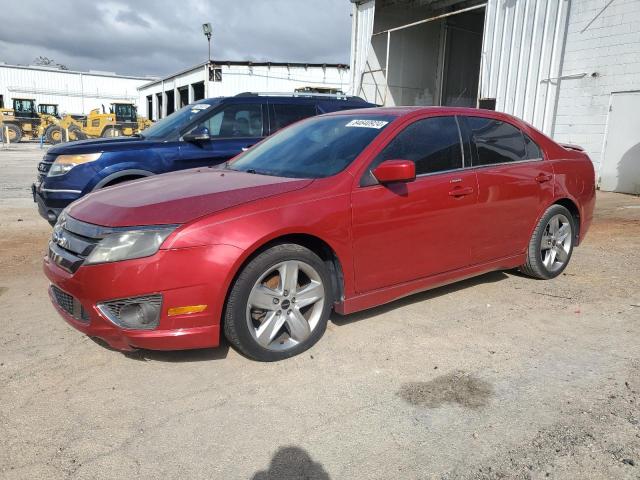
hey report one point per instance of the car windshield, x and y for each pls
(314, 148)
(172, 124)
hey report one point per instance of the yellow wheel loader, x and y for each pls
(122, 119)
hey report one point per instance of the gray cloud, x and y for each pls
(155, 37)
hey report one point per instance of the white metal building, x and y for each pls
(225, 78)
(74, 91)
(569, 67)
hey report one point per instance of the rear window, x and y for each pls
(496, 141)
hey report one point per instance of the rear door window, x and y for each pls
(433, 144)
(496, 141)
(241, 120)
(285, 114)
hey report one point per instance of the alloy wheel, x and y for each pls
(556, 242)
(285, 305)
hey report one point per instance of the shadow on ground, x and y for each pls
(292, 463)
(174, 356)
(490, 277)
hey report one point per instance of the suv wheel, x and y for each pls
(279, 304)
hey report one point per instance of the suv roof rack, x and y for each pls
(337, 96)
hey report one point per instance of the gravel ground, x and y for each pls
(499, 376)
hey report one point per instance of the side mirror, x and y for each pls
(395, 171)
(198, 135)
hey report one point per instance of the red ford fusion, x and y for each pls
(339, 212)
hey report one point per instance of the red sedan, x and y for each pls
(339, 212)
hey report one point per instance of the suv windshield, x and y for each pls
(314, 148)
(171, 125)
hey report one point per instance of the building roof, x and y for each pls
(244, 63)
(96, 73)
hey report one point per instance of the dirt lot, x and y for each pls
(496, 377)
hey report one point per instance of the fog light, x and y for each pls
(136, 313)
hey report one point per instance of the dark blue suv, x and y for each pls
(207, 132)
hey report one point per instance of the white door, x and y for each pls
(620, 168)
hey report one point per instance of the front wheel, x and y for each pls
(279, 304)
(551, 244)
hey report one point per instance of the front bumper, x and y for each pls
(51, 203)
(192, 276)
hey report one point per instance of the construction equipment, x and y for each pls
(122, 119)
(22, 120)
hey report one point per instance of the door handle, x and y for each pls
(244, 149)
(543, 177)
(461, 191)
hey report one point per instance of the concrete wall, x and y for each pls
(602, 55)
(74, 92)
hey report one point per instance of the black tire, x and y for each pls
(111, 132)
(15, 132)
(53, 134)
(535, 266)
(236, 324)
(76, 134)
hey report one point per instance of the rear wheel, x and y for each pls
(279, 304)
(111, 132)
(14, 132)
(551, 244)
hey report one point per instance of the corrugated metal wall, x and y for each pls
(521, 57)
(74, 92)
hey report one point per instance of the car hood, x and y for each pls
(179, 197)
(100, 145)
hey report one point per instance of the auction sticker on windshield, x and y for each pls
(377, 124)
(199, 106)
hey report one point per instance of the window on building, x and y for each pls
(243, 120)
(496, 141)
(433, 144)
(287, 114)
(215, 74)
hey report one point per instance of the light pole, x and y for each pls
(206, 29)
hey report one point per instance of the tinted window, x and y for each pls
(533, 150)
(287, 114)
(433, 144)
(496, 141)
(242, 120)
(314, 148)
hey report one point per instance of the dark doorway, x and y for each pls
(149, 106)
(198, 91)
(159, 102)
(171, 102)
(184, 96)
(463, 50)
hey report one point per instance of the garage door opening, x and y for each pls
(433, 61)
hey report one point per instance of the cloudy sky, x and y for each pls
(156, 37)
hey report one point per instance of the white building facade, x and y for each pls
(73, 91)
(571, 68)
(222, 78)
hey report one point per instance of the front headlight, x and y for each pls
(129, 244)
(64, 163)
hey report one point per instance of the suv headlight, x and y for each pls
(129, 244)
(63, 163)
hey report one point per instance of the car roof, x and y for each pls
(293, 98)
(420, 110)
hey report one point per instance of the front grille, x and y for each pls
(45, 165)
(70, 304)
(72, 241)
